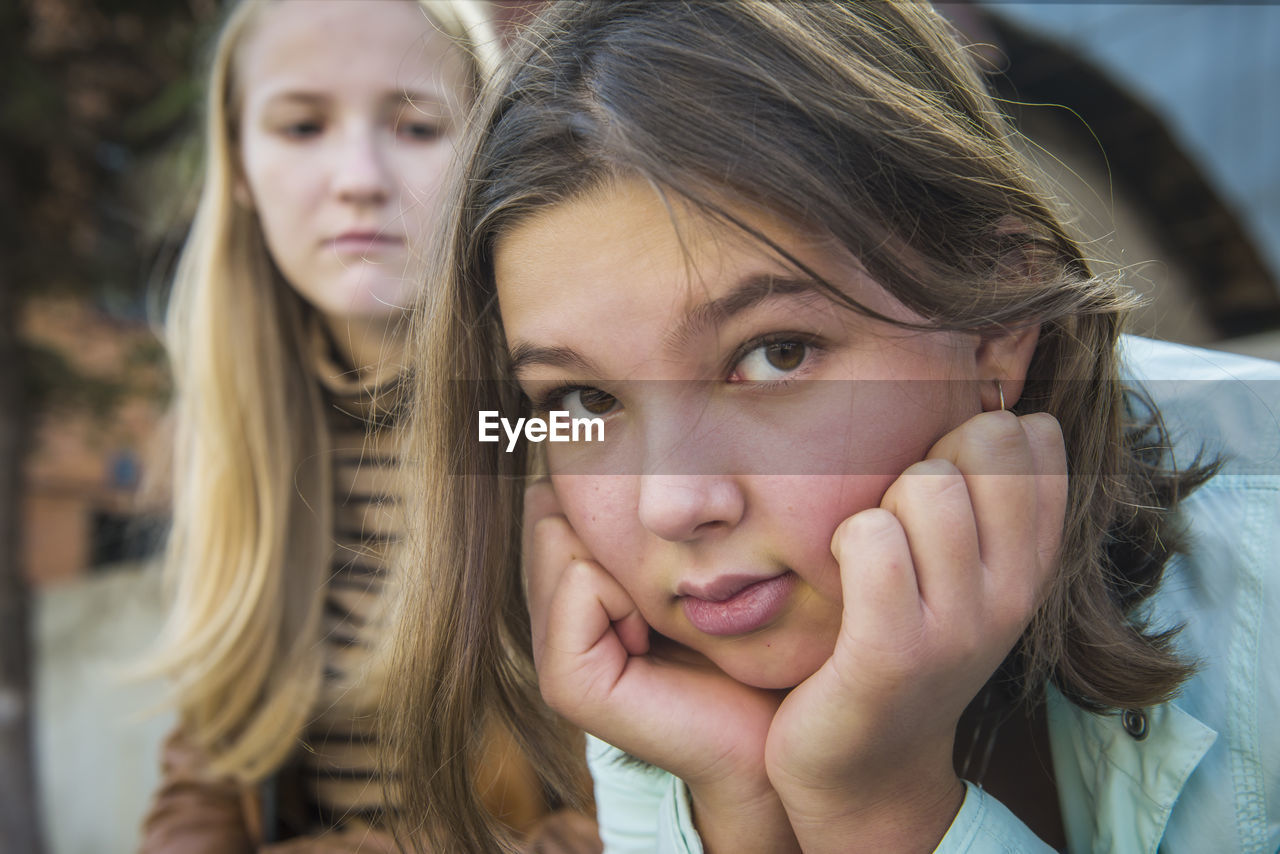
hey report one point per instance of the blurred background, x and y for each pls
(1159, 123)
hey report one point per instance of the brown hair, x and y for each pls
(866, 120)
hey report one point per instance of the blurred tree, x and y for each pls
(95, 96)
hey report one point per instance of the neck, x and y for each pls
(371, 345)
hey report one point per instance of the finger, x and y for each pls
(931, 501)
(586, 604)
(540, 501)
(552, 547)
(1049, 460)
(993, 453)
(548, 545)
(582, 655)
(877, 578)
(633, 633)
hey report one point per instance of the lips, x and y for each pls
(735, 604)
(364, 241)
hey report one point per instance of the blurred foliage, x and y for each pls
(98, 101)
(53, 384)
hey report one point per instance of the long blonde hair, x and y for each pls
(866, 121)
(251, 537)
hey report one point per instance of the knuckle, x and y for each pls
(934, 467)
(998, 433)
(548, 527)
(1044, 434)
(551, 536)
(965, 644)
(926, 487)
(1042, 425)
(577, 575)
(539, 500)
(556, 684)
(931, 479)
(874, 522)
(551, 692)
(1018, 603)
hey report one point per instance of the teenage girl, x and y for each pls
(886, 545)
(330, 126)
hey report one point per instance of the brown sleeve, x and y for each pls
(194, 812)
(507, 784)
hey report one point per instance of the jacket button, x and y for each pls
(1135, 723)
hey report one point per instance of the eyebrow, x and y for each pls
(524, 355)
(750, 292)
(392, 96)
(291, 95)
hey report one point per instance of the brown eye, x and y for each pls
(770, 361)
(595, 401)
(785, 355)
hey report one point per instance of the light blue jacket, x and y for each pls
(1204, 777)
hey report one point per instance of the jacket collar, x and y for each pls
(1117, 784)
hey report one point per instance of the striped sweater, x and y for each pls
(338, 762)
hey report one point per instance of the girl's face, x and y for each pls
(348, 111)
(746, 414)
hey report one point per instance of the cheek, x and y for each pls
(841, 427)
(421, 174)
(810, 510)
(281, 189)
(602, 511)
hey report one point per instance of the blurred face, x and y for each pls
(348, 114)
(746, 414)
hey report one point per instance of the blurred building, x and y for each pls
(84, 504)
(1161, 122)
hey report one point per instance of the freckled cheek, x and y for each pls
(602, 511)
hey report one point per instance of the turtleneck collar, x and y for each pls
(366, 392)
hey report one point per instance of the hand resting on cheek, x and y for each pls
(938, 583)
(662, 703)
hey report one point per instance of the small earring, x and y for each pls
(1000, 390)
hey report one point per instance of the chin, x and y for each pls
(368, 303)
(777, 675)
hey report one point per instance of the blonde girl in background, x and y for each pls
(825, 585)
(330, 126)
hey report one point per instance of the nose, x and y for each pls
(361, 174)
(681, 508)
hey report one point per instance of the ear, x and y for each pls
(1003, 357)
(240, 191)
